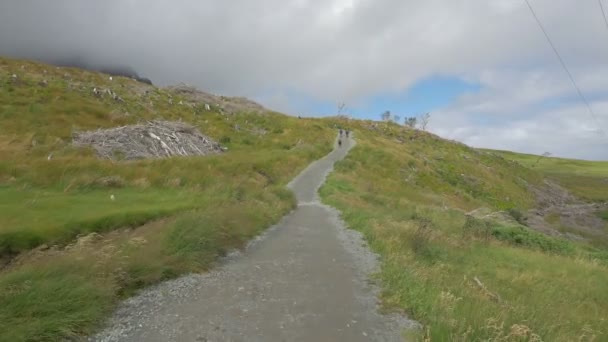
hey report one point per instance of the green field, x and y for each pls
(35, 216)
(465, 279)
(586, 179)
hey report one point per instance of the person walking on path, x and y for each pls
(339, 142)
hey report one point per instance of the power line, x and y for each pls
(578, 90)
(603, 12)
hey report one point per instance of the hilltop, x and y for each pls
(454, 226)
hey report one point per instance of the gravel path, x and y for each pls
(304, 279)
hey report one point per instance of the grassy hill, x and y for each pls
(467, 276)
(38, 121)
(448, 220)
(586, 179)
(183, 212)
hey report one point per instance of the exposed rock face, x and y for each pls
(559, 213)
(155, 139)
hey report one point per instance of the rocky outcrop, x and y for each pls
(152, 140)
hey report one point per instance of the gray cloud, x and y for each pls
(337, 50)
(242, 46)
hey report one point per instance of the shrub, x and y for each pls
(522, 236)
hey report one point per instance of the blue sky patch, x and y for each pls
(425, 96)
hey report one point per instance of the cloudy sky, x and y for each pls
(481, 67)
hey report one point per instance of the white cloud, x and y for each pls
(567, 130)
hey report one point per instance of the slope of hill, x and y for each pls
(570, 215)
(78, 233)
(59, 280)
(449, 222)
(586, 179)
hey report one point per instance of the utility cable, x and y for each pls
(559, 57)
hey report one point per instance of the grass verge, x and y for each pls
(68, 293)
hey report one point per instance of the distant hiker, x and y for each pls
(340, 132)
(339, 142)
(347, 132)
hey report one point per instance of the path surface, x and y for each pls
(305, 279)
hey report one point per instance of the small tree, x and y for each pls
(424, 120)
(396, 119)
(386, 116)
(411, 122)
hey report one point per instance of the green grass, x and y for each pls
(59, 300)
(169, 217)
(35, 216)
(69, 294)
(409, 200)
(37, 121)
(586, 179)
(524, 237)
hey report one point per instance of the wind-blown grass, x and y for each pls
(464, 281)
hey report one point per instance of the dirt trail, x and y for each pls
(305, 279)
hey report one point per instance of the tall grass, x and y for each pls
(465, 279)
(69, 292)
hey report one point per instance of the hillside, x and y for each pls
(459, 255)
(78, 232)
(54, 194)
(43, 107)
(586, 179)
